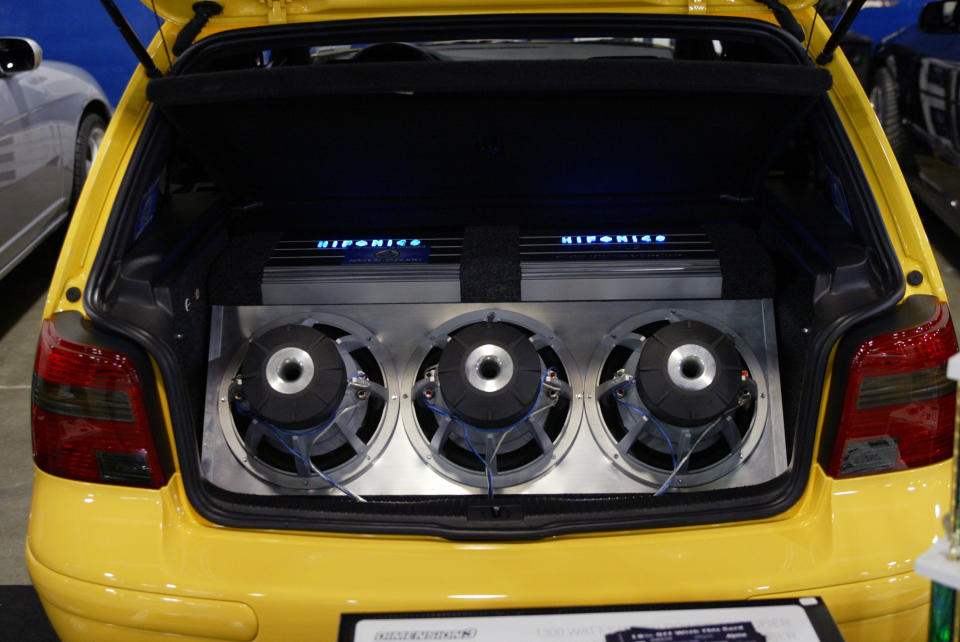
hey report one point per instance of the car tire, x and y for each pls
(89, 140)
(885, 99)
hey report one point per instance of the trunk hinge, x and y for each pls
(276, 10)
(843, 25)
(131, 37)
(202, 12)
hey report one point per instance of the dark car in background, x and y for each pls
(915, 89)
(52, 120)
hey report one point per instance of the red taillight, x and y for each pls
(899, 407)
(89, 419)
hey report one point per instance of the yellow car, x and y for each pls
(372, 311)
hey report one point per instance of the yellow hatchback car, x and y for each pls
(375, 308)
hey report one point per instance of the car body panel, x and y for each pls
(842, 540)
(886, 180)
(880, 18)
(143, 610)
(926, 67)
(32, 165)
(260, 12)
(40, 111)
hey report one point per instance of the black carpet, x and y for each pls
(22, 617)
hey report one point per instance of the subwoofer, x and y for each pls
(491, 400)
(680, 400)
(306, 402)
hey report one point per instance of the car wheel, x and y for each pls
(89, 139)
(885, 100)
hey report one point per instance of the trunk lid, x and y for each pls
(254, 12)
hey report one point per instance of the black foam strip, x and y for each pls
(389, 78)
(745, 265)
(237, 275)
(490, 265)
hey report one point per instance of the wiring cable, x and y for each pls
(686, 458)
(813, 24)
(313, 467)
(153, 4)
(503, 437)
(317, 432)
(443, 413)
(646, 416)
(677, 466)
(466, 435)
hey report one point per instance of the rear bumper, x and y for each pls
(77, 607)
(125, 564)
(82, 610)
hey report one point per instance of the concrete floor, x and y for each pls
(24, 291)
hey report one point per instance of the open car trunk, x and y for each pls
(528, 276)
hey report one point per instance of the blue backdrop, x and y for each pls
(880, 18)
(81, 32)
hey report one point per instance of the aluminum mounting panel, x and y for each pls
(403, 328)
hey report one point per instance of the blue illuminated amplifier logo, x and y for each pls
(606, 239)
(618, 239)
(341, 244)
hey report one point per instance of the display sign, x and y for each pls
(794, 620)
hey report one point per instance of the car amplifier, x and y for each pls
(554, 266)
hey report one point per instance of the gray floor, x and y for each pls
(23, 292)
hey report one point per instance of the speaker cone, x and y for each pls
(307, 403)
(491, 402)
(679, 400)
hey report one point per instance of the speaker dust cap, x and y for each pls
(293, 377)
(489, 374)
(688, 373)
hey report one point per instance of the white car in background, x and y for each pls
(52, 120)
